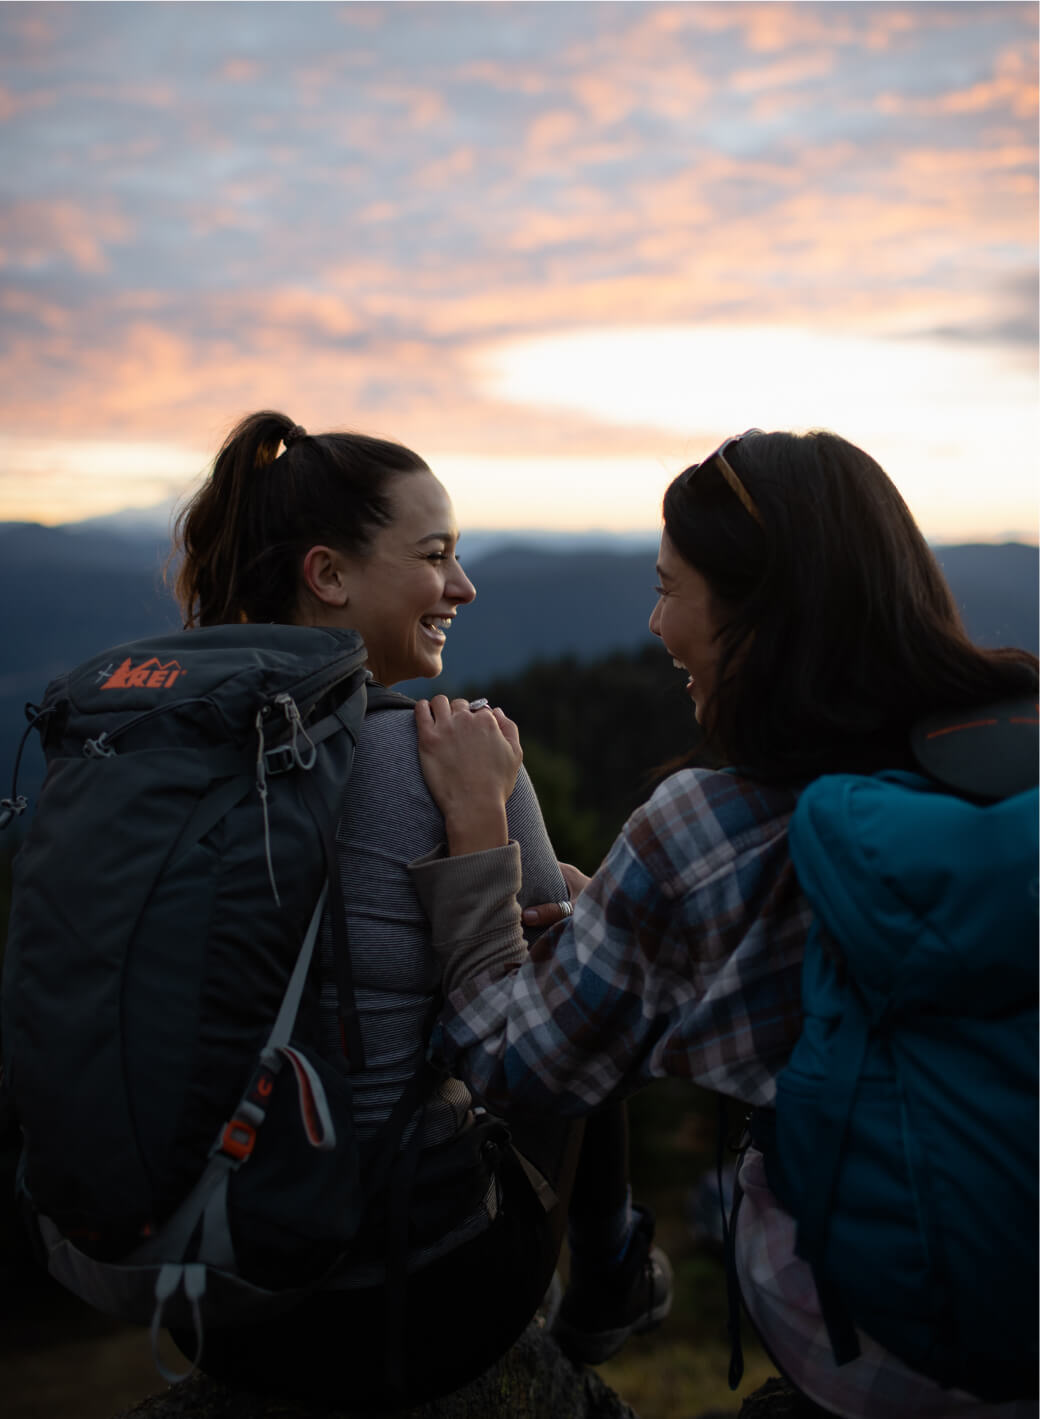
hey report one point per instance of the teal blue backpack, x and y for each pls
(906, 1119)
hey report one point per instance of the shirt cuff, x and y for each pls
(472, 908)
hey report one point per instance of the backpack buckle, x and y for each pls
(280, 759)
(98, 748)
(237, 1139)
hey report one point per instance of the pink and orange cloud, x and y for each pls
(340, 208)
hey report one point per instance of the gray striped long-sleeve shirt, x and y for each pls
(389, 819)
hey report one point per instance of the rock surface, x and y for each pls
(534, 1380)
(776, 1399)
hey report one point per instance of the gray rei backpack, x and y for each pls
(189, 1152)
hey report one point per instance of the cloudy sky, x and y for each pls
(561, 249)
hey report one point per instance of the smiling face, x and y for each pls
(687, 619)
(402, 595)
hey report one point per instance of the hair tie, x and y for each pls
(296, 432)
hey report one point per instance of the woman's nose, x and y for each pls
(461, 588)
(655, 619)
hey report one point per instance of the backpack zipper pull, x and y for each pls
(292, 715)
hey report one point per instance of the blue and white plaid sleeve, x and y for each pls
(682, 959)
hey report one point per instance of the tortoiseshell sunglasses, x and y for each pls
(727, 471)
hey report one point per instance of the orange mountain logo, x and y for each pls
(151, 674)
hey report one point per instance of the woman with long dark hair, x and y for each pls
(815, 629)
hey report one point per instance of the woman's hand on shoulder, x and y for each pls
(470, 760)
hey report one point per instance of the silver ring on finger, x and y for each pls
(480, 704)
(566, 908)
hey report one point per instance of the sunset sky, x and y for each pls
(561, 249)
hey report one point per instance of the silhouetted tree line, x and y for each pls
(598, 737)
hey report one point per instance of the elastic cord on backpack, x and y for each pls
(16, 805)
(292, 714)
(261, 788)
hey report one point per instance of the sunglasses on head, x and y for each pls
(726, 469)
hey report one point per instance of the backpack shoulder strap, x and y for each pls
(379, 698)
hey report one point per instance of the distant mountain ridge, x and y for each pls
(71, 592)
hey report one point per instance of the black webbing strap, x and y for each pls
(349, 1025)
(342, 966)
(395, 1285)
(207, 813)
(377, 1155)
(380, 1161)
(331, 724)
(380, 698)
(841, 1329)
(729, 1244)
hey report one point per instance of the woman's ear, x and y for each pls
(324, 575)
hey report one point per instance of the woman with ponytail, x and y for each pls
(347, 531)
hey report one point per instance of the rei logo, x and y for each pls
(151, 674)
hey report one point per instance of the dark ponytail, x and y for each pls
(274, 493)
